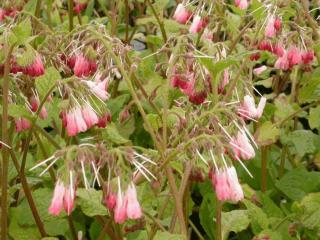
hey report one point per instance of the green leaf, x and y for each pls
(112, 134)
(234, 221)
(116, 104)
(47, 81)
(257, 215)
(298, 183)
(311, 210)
(90, 202)
(314, 117)
(267, 133)
(23, 31)
(155, 121)
(302, 141)
(168, 236)
(17, 111)
(311, 90)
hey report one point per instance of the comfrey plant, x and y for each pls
(156, 120)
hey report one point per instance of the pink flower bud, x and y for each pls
(35, 102)
(110, 201)
(35, 69)
(249, 109)
(182, 15)
(106, 118)
(133, 207)
(259, 70)
(198, 98)
(307, 57)
(270, 30)
(282, 63)
(72, 129)
(57, 199)
(294, 56)
(277, 24)
(242, 4)
(83, 67)
(79, 7)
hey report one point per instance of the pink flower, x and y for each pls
(265, 46)
(242, 148)
(278, 50)
(68, 200)
(242, 4)
(294, 56)
(248, 107)
(22, 124)
(282, 63)
(98, 88)
(2, 14)
(222, 186)
(110, 201)
(182, 15)
(120, 211)
(80, 123)
(270, 30)
(133, 207)
(35, 102)
(197, 24)
(307, 57)
(277, 24)
(89, 116)
(57, 199)
(71, 125)
(79, 7)
(35, 69)
(198, 97)
(236, 192)
(259, 70)
(83, 67)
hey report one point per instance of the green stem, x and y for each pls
(161, 25)
(70, 14)
(126, 3)
(38, 9)
(29, 197)
(5, 139)
(218, 220)
(282, 161)
(264, 156)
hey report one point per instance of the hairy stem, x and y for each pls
(264, 156)
(70, 14)
(5, 139)
(218, 220)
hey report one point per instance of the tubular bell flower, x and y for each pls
(307, 57)
(236, 192)
(22, 124)
(83, 67)
(182, 15)
(133, 207)
(110, 201)
(259, 70)
(103, 120)
(198, 24)
(68, 199)
(89, 115)
(57, 199)
(74, 122)
(222, 186)
(242, 147)
(249, 110)
(120, 211)
(282, 63)
(98, 88)
(294, 56)
(270, 30)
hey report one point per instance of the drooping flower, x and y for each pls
(75, 122)
(307, 57)
(35, 103)
(98, 88)
(89, 115)
(34, 69)
(78, 7)
(242, 147)
(120, 211)
(57, 199)
(182, 15)
(83, 67)
(270, 30)
(22, 124)
(236, 192)
(110, 201)
(248, 107)
(242, 4)
(224, 81)
(294, 56)
(277, 24)
(68, 199)
(222, 186)
(282, 63)
(198, 24)
(207, 34)
(133, 206)
(198, 97)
